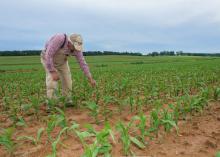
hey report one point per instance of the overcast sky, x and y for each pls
(116, 25)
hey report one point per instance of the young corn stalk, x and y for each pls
(89, 150)
(216, 93)
(127, 139)
(131, 103)
(101, 144)
(36, 105)
(56, 120)
(7, 141)
(56, 141)
(107, 113)
(176, 109)
(80, 134)
(36, 140)
(94, 108)
(6, 102)
(168, 121)
(142, 126)
(20, 122)
(155, 121)
(97, 95)
(51, 103)
(218, 154)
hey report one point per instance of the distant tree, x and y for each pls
(154, 53)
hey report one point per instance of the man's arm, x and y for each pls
(83, 65)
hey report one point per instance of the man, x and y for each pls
(54, 60)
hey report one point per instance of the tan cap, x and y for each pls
(76, 41)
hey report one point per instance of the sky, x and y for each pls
(113, 25)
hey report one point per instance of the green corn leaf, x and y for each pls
(39, 133)
(60, 111)
(21, 122)
(218, 154)
(137, 142)
(6, 139)
(29, 138)
(74, 126)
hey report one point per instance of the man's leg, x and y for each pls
(51, 85)
(66, 80)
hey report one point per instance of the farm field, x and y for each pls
(142, 106)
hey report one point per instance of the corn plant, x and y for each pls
(218, 154)
(35, 104)
(56, 120)
(36, 140)
(124, 132)
(7, 141)
(168, 120)
(56, 141)
(97, 95)
(101, 144)
(6, 102)
(51, 103)
(20, 122)
(61, 118)
(131, 103)
(142, 126)
(197, 103)
(106, 112)
(94, 108)
(127, 139)
(176, 109)
(216, 93)
(155, 121)
(80, 134)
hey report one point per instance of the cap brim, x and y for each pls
(78, 47)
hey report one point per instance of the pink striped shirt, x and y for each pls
(54, 44)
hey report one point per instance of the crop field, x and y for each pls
(142, 106)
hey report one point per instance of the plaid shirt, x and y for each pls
(54, 44)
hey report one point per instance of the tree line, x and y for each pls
(86, 53)
(98, 53)
(181, 53)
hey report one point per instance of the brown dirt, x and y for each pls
(198, 136)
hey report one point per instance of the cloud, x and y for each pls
(137, 25)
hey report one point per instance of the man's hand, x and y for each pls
(55, 76)
(92, 82)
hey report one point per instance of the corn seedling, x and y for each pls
(7, 141)
(56, 141)
(36, 140)
(80, 134)
(94, 108)
(218, 154)
(20, 122)
(101, 144)
(126, 138)
(142, 126)
(216, 93)
(35, 104)
(106, 112)
(155, 121)
(56, 120)
(168, 121)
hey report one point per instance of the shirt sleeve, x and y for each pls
(83, 65)
(52, 47)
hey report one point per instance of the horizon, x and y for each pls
(146, 53)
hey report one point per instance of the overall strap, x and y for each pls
(63, 41)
